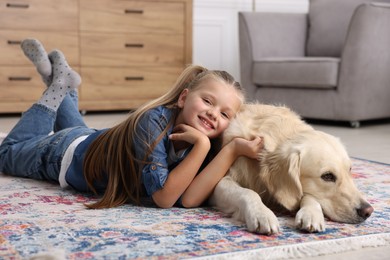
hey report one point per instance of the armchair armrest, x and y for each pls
(365, 60)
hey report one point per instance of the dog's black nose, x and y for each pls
(365, 210)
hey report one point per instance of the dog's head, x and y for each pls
(316, 164)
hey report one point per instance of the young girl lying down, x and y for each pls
(162, 150)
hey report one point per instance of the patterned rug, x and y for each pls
(40, 218)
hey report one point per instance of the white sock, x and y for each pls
(64, 79)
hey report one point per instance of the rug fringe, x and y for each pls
(310, 249)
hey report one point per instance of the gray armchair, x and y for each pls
(332, 63)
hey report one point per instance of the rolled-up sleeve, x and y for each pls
(155, 170)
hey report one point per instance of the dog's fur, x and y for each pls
(301, 169)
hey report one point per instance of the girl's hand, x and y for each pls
(189, 134)
(248, 148)
(180, 178)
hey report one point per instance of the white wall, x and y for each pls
(215, 39)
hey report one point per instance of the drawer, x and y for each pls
(100, 84)
(12, 54)
(131, 49)
(132, 16)
(20, 84)
(56, 15)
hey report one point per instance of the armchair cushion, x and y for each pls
(307, 72)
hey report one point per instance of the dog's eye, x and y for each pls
(329, 177)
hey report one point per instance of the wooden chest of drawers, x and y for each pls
(127, 52)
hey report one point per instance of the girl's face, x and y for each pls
(210, 107)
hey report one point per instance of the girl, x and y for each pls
(160, 151)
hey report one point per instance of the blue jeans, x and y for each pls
(29, 151)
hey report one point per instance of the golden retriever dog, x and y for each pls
(305, 171)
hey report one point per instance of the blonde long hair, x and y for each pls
(111, 155)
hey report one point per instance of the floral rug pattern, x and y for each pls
(36, 217)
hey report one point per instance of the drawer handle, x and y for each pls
(134, 78)
(134, 45)
(133, 11)
(10, 42)
(25, 6)
(19, 78)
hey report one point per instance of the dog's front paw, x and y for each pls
(310, 220)
(261, 220)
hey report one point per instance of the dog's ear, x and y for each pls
(280, 173)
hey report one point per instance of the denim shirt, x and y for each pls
(163, 157)
(158, 164)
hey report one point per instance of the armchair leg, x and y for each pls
(355, 124)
